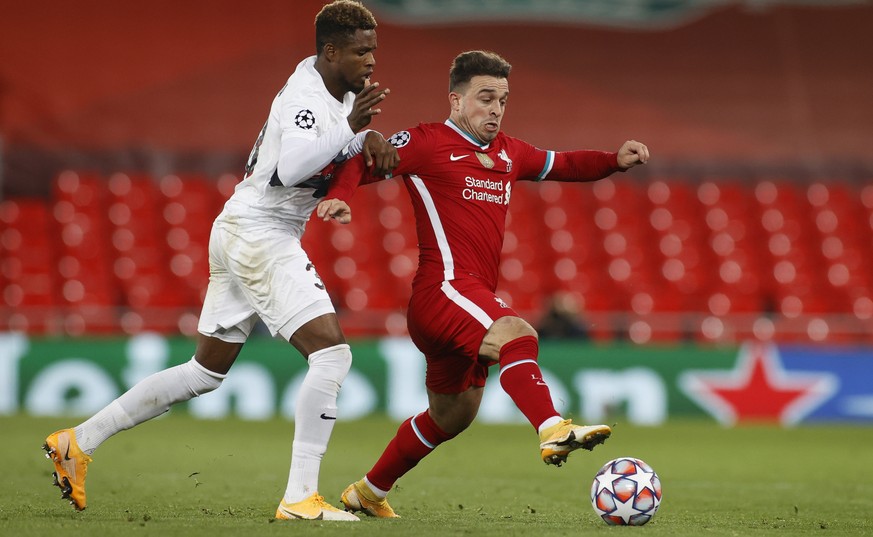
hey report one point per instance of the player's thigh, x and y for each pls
(282, 285)
(319, 333)
(455, 372)
(454, 317)
(227, 314)
(216, 355)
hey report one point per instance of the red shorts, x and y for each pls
(447, 323)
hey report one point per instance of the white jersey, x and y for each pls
(307, 129)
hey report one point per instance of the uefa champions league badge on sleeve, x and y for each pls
(400, 139)
(305, 119)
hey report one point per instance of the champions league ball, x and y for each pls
(626, 492)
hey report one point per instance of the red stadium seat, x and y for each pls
(28, 284)
(772, 259)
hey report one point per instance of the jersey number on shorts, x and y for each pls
(320, 283)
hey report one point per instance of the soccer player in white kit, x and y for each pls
(258, 268)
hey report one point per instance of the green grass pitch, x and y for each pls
(178, 476)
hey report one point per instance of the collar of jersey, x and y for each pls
(466, 135)
(309, 64)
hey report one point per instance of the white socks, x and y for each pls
(376, 490)
(150, 397)
(315, 413)
(554, 420)
(314, 418)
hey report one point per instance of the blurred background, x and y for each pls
(125, 126)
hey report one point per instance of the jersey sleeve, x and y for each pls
(347, 177)
(308, 143)
(585, 165)
(414, 147)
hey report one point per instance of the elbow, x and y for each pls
(287, 174)
(280, 176)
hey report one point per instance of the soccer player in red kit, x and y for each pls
(460, 175)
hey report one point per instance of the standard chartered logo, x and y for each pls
(485, 190)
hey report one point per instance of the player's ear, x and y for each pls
(329, 51)
(454, 101)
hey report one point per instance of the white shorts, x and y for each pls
(262, 274)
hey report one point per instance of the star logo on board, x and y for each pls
(758, 389)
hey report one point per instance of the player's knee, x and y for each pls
(199, 379)
(503, 331)
(333, 362)
(506, 329)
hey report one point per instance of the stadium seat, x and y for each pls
(86, 191)
(28, 285)
(772, 258)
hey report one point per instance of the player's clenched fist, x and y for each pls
(632, 153)
(379, 154)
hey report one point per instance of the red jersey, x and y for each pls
(461, 189)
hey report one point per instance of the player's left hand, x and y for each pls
(379, 154)
(336, 209)
(632, 153)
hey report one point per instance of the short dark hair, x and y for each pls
(338, 21)
(477, 63)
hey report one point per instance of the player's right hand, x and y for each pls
(380, 155)
(362, 111)
(334, 208)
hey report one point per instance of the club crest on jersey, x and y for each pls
(485, 160)
(305, 119)
(501, 302)
(399, 139)
(505, 158)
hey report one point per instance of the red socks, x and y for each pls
(521, 378)
(415, 439)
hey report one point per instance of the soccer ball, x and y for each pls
(626, 492)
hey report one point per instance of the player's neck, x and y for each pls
(331, 81)
(467, 132)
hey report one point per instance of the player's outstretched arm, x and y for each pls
(632, 153)
(336, 209)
